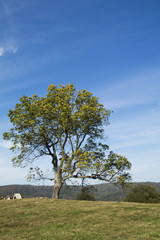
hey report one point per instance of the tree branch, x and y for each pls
(54, 160)
(81, 141)
(49, 150)
(66, 137)
(71, 145)
(93, 176)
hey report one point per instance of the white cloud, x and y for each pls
(1, 51)
(136, 91)
(12, 50)
(6, 144)
(136, 133)
(139, 130)
(9, 49)
(13, 87)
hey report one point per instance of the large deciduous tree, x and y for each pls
(67, 126)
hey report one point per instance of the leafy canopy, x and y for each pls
(68, 126)
(143, 193)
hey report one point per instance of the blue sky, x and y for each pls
(110, 48)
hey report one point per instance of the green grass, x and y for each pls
(78, 220)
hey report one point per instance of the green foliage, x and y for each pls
(85, 195)
(68, 126)
(102, 192)
(143, 193)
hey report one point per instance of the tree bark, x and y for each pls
(57, 184)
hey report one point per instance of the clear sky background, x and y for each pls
(109, 47)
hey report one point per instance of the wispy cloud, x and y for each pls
(139, 129)
(139, 96)
(8, 49)
(6, 144)
(8, 37)
(1, 51)
(138, 90)
(12, 50)
(17, 86)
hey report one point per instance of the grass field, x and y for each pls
(78, 220)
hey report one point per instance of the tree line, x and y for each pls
(101, 192)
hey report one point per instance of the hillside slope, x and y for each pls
(102, 192)
(69, 219)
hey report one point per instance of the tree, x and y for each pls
(85, 192)
(143, 193)
(68, 126)
(85, 195)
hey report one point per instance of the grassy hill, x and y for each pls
(47, 219)
(102, 192)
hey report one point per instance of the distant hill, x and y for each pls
(110, 192)
(102, 192)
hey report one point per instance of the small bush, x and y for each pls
(143, 193)
(84, 195)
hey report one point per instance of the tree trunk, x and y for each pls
(57, 185)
